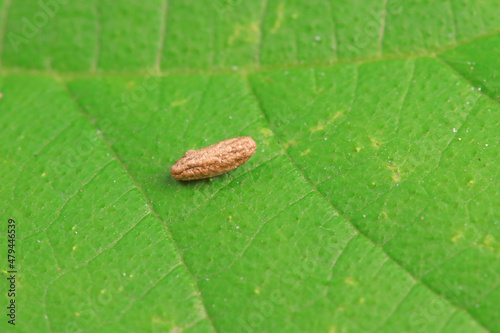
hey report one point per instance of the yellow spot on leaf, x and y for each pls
(44, 174)
(77, 314)
(336, 115)
(350, 281)
(487, 242)
(305, 152)
(279, 17)
(318, 128)
(375, 143)
(457, 237)
(332, 329)
(257, 291)
(246, 33)
(266, 132)
(177, 103)
(396, 174)
(361, 300)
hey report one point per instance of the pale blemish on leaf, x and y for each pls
(457, 237)
(487, 242)
(131, 85)
(266, 132)
(375, 142)
(279, 17)
(180, 102)
(305, 152)
(350, 281)
(319, 127)
(245, 33)
(396, 174)
(337, 115)
(322, 126)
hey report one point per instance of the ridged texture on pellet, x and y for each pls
(214, 160)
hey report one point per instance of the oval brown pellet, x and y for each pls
(214, 160)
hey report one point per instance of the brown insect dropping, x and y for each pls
(214, 160)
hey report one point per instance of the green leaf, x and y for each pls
(370, 205)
